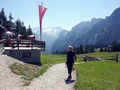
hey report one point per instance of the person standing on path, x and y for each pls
(71, 57)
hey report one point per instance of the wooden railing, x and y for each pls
(25, 43)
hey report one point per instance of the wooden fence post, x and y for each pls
(117, 58)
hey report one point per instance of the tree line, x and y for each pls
(81, 49)
(15, 26)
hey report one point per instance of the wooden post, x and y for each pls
(117, 58)
(18, 44)
(40, 59)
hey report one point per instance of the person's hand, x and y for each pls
(65, 62)
(73, 63)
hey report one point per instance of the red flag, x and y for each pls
(41, 14)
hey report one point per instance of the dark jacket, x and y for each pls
(71, 57)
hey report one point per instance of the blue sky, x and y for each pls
(60, 13)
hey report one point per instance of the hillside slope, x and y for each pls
(95, 32)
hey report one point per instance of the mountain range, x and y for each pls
(98, 32)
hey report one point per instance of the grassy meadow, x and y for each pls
(102, 75)
(91, 75)
(52, 59)
(98, 76)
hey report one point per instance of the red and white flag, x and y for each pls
(42, 11)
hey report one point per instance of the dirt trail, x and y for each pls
(8, 80)
(53, 79)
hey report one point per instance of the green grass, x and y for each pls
(1, 47)
(98, 76)
(52, 59)
(102, 55)
(28, 71)
(103, 75)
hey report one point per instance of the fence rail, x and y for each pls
(25, 44)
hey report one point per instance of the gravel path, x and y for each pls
(8, 80)
(53, 79)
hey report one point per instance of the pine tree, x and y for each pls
(86, 49)
(10, 24)
(21, 29)
(10, 17)
(16, 27)
(105, 49)
(29, 30)
(115, 46)
(81, 49)
(101, 50)
(3, 18)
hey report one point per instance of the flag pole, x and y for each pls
(41, 22)
(40, 19)
(42, 11)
